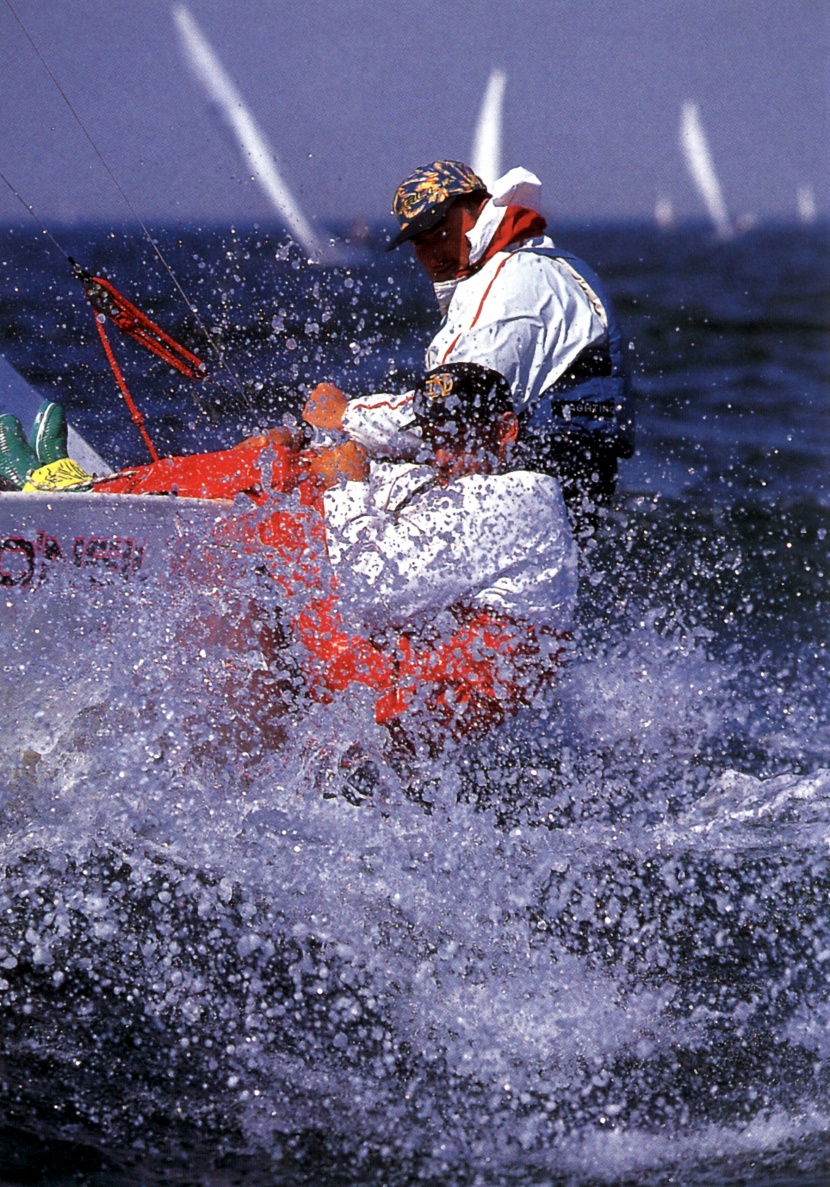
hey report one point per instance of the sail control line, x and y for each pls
(107, 302)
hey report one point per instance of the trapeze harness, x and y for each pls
(593, 397)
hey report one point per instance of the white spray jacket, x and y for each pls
(526, 314)
(405, 548)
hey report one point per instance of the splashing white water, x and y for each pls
(473, 964)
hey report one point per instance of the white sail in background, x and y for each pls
(806, 205)
(664, 213)
(257, 152)
(485, 157)
(702, 169)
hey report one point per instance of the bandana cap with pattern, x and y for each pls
(423, 198)
(453, 399)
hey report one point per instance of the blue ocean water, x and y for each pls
(592, 949)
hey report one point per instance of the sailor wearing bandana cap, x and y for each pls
(513, 303)
(459, 531)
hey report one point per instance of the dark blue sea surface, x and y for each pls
(591, 949)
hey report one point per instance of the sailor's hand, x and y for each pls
(340, 463)
(282, 435)
(325, 406)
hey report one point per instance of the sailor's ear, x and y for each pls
(509, 427)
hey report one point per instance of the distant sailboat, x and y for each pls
(701, 167)
(255, 149)
(485, 157)
(663, 213)
(806, 205)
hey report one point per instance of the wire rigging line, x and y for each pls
(31, 210)
(154, 245)
(100, 156)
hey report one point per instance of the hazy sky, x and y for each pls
(353, 95)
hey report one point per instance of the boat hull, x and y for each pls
(83, 535)
(252, 572)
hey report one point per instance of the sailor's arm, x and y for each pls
(383, 424)
(392, 568)
(380, 423)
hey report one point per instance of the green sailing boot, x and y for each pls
(17, 458)
(48, 435)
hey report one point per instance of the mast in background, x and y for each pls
(485, 157)
(702, 169)
(258, 154)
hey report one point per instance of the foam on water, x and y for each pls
(237, 942)
(533, 955)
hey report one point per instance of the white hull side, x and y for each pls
(81, 536)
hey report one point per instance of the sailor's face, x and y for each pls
(458, 449)
(443, 250)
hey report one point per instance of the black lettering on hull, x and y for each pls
(26, 562)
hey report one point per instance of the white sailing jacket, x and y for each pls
(525, 314)
(405, 548)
